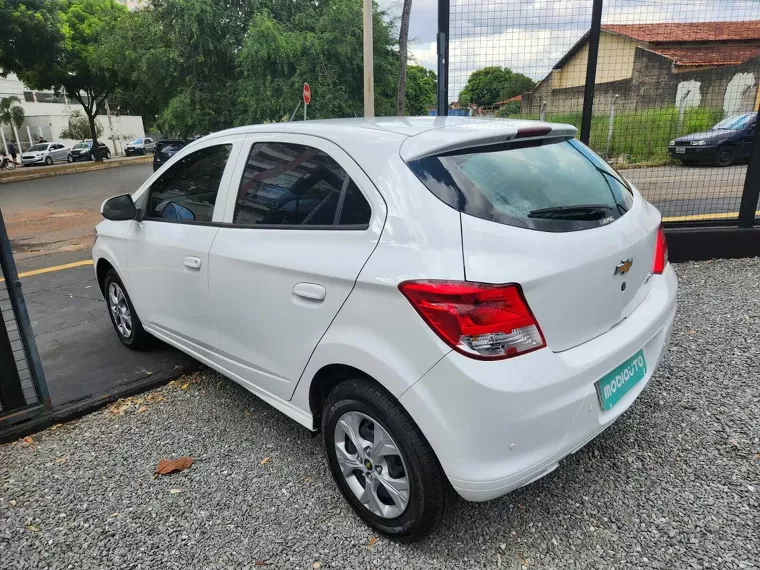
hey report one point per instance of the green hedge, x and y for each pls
(639, 136)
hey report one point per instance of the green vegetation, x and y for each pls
(78, 127)
(492, 84)
(639, 136)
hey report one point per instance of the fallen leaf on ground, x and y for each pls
(115, 515)
(28, 441)
(185, 386)
(262, 563)
(55, 427)
(33, 528)
(174, 491)
(166, 466)
(757, 455)
(119, 408)
(12, 502)
(142, 409)
(372, 542)
(63, 459)
(265, 461)
(316, 565)
(247, 413)
(307, 479)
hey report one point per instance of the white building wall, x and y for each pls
(52, 118)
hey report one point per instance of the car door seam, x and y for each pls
(335, 316)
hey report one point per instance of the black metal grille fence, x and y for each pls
(23, 392)
(665, 90)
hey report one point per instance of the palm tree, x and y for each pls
(11, 112)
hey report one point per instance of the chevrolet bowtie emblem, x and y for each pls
(623, 267)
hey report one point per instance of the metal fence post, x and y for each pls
(751, 193)
(443, 57)
(593, 53)
(26, 333)
(611, 128)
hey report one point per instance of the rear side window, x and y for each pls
(187, 191)
(293, 185)
(556, 185)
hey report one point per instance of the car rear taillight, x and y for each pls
(481, 320)
(660, 253)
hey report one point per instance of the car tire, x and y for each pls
(367, 406)
(69, 159)
(48, 160)
(123, 316)
(108, 155)
(92, 156)
(725, 155)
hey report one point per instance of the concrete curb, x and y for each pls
(75, 410)
(6, 179)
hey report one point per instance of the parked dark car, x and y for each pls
(727, 142)
(83, 151)
(165, 150)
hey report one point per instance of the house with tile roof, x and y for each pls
(709, 64)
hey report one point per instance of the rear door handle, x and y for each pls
(193, 262)
(310, 291)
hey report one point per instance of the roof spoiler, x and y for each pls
(439, 141)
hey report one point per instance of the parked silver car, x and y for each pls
(46, 153)
(142, 145)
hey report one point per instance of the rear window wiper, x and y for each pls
(576, 212)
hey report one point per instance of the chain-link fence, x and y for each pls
(23, 392)
(674, 95)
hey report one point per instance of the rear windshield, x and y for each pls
(83, 145)
(555, 185)
(170, 147)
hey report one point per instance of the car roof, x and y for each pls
(419, 136)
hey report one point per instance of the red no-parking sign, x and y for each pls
(306, 94)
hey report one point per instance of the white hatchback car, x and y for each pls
(454, 303)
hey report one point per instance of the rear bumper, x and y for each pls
(496, 426)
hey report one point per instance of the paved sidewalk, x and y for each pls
(21, 173)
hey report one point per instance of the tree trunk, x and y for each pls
(94, 136)
(402, 51)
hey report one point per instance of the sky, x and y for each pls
(529, 36)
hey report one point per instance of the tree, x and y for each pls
(83, 67)
(403, 38)
(79, 127)
(420, 90)
(29, 32)
(321, 43)
(11, 113)
(491, 84)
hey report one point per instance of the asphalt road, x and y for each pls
(82, 358)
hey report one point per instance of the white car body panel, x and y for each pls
(494, 425)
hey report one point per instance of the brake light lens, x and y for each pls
(660, 253)
(480, 320)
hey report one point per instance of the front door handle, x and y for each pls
(310, 291)
(193, 262)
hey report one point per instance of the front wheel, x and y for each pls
(125, 321)
(381, 462)
(108, 155)
(725, 155)
(48, 161)
(10, 165)
(69, 159)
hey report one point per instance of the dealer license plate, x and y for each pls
(616, 384)
(680, 150)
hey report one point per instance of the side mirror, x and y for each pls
(119, 208)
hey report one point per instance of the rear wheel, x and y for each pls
(10, 165)
(381, 462)
(92, 157)
(125, 321)
(725, 155)
(48, 161)
(108, 154)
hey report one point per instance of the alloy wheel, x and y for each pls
(120, 313)
(372, 465)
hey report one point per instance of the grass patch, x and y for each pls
(639, 136)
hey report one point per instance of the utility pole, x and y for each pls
(369, 72)
(110, 126)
